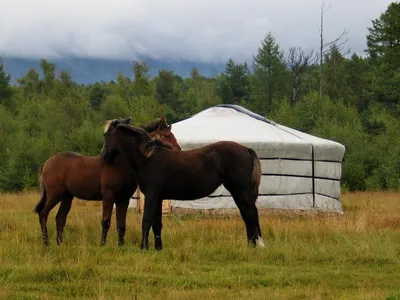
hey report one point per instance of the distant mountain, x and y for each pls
(88, 70)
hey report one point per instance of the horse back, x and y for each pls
(194, 173)
(74, 173)
(220, 156)
(228, 153)
(227, 158)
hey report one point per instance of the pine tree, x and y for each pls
(357, 80)
(49, 76)
(383, 43)
(30, 84)
(269, 80)
(167, 90)
(233, 86)
(383, 40)
(141, 84)
(5, 88)
(335, 75)
(238, 79)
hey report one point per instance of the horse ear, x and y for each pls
(169, 127)
(127, 120)
(163, 123)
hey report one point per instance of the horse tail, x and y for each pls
(255, 174)
(39, 206)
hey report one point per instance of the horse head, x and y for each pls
(111, 124)
(160, 130)
(165, 135)
(109, 128)
(138, 138)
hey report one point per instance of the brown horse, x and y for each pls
(186, 175)
(67, 175)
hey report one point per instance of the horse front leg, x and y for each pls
(149, 217)
(121, 211)
(108, 203)
(157, 226)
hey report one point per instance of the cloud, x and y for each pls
(206, 30)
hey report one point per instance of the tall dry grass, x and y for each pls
(308, 256)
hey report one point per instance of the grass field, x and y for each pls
(353, 256)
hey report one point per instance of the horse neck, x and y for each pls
(120, 161)
(133, 154)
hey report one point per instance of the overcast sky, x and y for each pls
(202, 30)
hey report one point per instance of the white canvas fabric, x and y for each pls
(300, 171)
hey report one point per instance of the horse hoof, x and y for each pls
(260, 242)
(158, 246)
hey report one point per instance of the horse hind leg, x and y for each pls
(249, 212)
(61, 217)
(43, 215)
(38, 209)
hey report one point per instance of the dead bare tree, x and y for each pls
(299, 61)
(338, 41)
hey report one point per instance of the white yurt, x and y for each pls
(299, 171)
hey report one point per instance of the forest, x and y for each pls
(349, 98)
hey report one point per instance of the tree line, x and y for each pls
(351, 99)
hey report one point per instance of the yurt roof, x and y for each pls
(236, 123)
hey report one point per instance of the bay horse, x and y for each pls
(66, 175)
(187, 175)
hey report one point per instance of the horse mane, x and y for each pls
(107, 125)
(159, 123)
(147, 144)
(150, 127)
